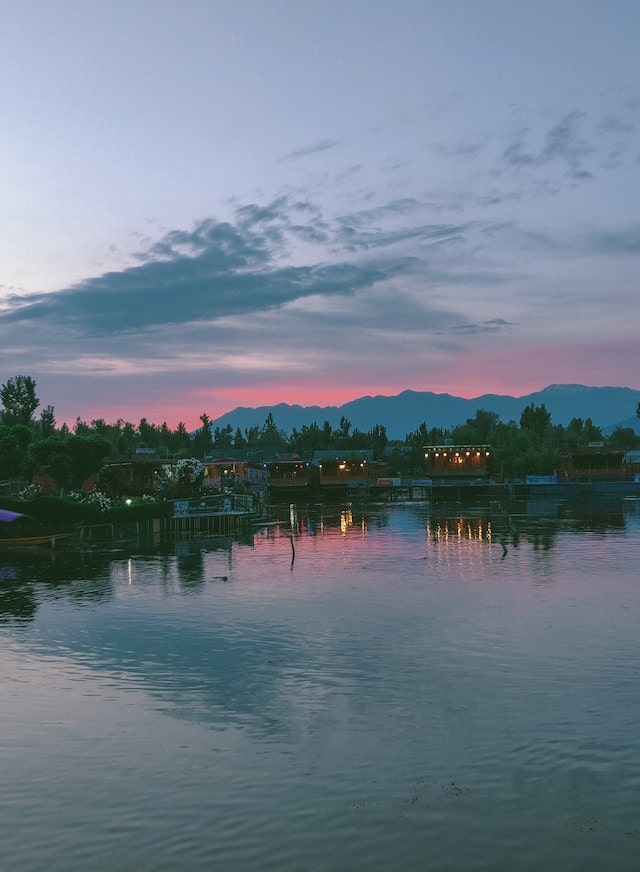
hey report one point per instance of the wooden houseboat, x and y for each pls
(348, 472)
(292, 478)
(451, 462)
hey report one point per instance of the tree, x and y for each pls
(326, 434)
(223, 437)
(202, 440)
(47, 422)
(51, 455)
(70, 459)
(418, 438)
(342, 435)
(19, 399)
(624, 438)
(238, 439)
(270, 435)
(14, 460)
(378, 439)
(478, 429)
(308, 438)
(252, 435)
(535, 421)
(86, 455)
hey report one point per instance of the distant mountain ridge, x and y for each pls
(608, 407)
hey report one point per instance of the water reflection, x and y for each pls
(27, 577)
(403, 689)
(320, 519)
(31, 576)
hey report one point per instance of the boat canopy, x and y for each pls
(7, 517)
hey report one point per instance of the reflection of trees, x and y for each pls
(190, 557)
(29, 577)
(18, 603)
(190, 564)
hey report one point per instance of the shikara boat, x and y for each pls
(14, 530)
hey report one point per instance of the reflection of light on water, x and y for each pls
(460, 538)
(129, 571)
(459, 528)
(346, 521)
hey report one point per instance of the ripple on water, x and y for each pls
(388, 701)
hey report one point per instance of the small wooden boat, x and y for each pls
(12, 525)
(18, 541)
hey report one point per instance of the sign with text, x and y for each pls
(200, 508)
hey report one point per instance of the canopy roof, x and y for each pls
(7, 517)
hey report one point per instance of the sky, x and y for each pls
(208, 205)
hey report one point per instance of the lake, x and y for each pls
(408, 686)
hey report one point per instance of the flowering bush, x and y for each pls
(98, 499)
(76, 496)
(188, 471)
(148, 498)
(29, 492)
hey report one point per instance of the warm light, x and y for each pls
(128, 502)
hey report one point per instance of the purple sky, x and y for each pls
(208, 205)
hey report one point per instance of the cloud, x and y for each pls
(216, 270)
(612, 243)
(282, 290)
(562, 143)
(460, 149)
(308, 151)
(615, 124)
(493, 325)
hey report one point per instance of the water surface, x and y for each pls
(413, 686)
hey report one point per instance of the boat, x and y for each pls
(12, 523)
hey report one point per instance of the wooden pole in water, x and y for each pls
(293, 548)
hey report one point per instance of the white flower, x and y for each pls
(98, 499)
(29, 492)
(189, 470)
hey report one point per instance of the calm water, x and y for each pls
(407, 693)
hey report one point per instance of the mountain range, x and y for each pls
(608, 408)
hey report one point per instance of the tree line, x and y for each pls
(32, 444)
